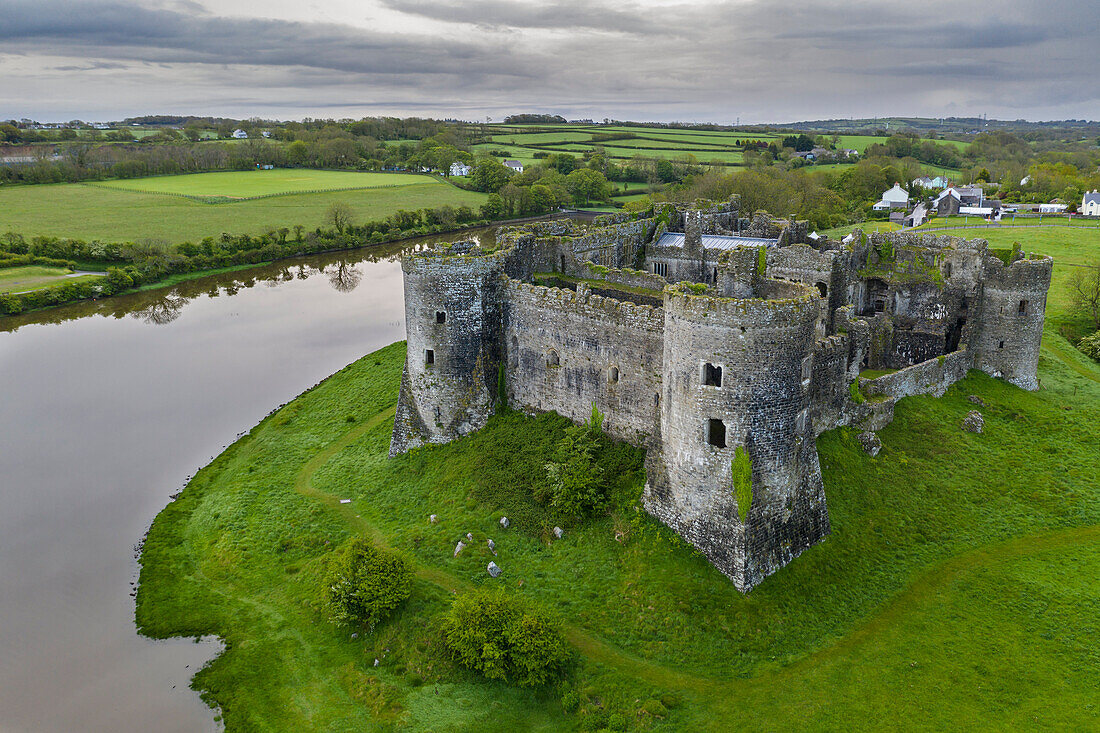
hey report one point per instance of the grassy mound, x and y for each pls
(959, 583)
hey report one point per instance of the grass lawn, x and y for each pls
(244, 184)
(99, 212)
(35, 277)
(959, 583)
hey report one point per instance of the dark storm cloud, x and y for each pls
(184, 34)
(760, 59)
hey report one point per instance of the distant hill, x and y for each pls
(945, 125)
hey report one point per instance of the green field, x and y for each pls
(958, 589)
(35, 277)
(246, 184)
(105, 213)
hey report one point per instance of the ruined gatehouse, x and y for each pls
(711, 338)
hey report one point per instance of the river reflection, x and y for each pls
(107, 408)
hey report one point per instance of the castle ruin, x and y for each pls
(711, 338)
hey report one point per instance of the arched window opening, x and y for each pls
(613, 375)
(552, 359)
(716, 433)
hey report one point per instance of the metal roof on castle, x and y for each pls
(715, 241)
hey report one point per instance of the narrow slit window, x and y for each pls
(947, 270)
(429, 356)
(613, 375)
(716, 433)
(1001, 345)
(712, 375)
(1023, 308)
(440, 316)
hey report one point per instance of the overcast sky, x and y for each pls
(753, 60)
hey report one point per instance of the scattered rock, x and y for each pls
(433, 519)
(504, 522)
(618, 536)
(976, 400)
(558, 532)
(973, 422)
(459, 547)
(870, 442)
(376, 662)
(492, 547)
(494, 570)
(470, 536)
(355, 635)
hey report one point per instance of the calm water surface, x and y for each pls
(105, 410)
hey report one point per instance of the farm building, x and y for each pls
(514, 165)
(460, 169)
(952, 199)
(240, 134)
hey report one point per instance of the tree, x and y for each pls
(505, 637)
(363, 583)
(1084, 292)
(490, 175)
(586, 184)
(297, 152)
(338, 216)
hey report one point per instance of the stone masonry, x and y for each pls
(710, 337)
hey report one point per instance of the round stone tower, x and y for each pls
(1013, 306)
(452, 320)
(735, 404)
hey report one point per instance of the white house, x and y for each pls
(266, 133)
(927, 182)
(460, 169)
(514, 165)
(895, 198)
(1090, 204)
(1052, 208)
(240, 134)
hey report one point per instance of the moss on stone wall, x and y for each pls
(742, 481)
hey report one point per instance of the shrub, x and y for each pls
(363, 583)
(855, 394)
(574, 478)
(1090, 346)
(505, 637)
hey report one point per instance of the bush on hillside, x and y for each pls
(505, 637)
(1090, 346)
(574, 478)
(363, 584)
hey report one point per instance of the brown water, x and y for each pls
(106, 409)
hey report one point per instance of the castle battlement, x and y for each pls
(710, 338)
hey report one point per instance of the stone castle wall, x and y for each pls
(452, 312)
(932, 377)
(1013, 308)
(762, 360)
(765, 349)
(568, 351)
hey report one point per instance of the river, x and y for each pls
(107, 409)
